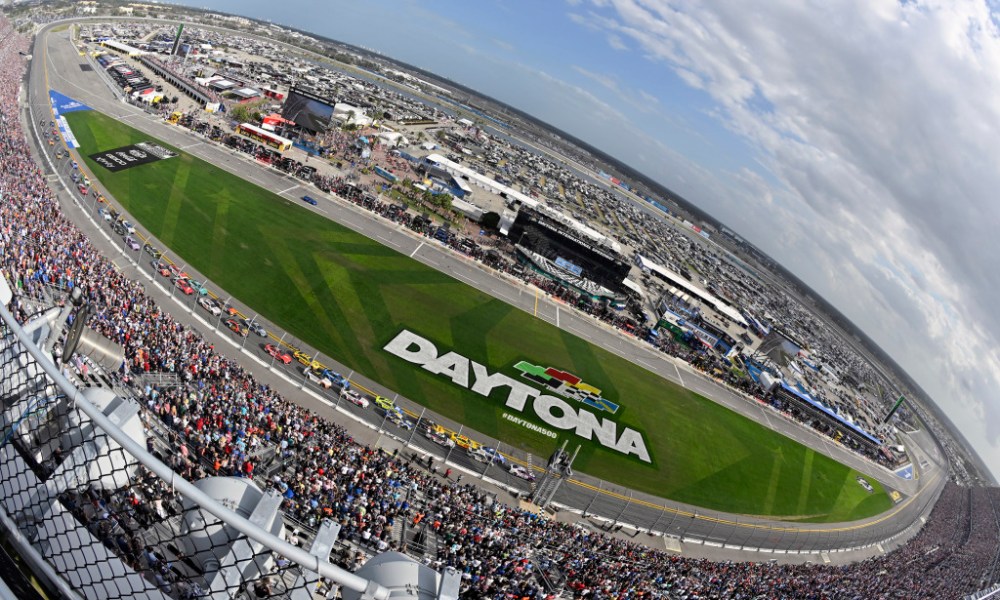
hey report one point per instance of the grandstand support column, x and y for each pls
(416, 426)
(600, 488)
(322, 545)
(239, 564)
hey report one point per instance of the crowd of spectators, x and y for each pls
(220, 418)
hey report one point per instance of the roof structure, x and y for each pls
(712, 300)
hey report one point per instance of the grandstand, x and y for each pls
(104, 517)
(562, 253)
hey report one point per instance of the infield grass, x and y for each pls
(348, 295)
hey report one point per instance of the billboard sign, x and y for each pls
(572, 268)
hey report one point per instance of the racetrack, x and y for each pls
(84, 88)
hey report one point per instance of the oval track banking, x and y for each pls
(555, 412)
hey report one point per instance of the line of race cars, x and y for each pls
(281, 351)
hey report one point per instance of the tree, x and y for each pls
(490, 220)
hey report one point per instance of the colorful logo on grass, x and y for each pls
(566, 385)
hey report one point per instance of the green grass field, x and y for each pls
(348, 295)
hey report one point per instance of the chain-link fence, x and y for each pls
(97, 515)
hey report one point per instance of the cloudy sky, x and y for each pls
(856, 142)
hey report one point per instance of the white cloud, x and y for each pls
(879, 120)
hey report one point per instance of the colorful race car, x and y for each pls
(233, 325)
(384, 403)
(355, 398)
(182, 285)
(522, 472)
(278, 353)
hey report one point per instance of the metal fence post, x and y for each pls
(416, 426)
(600, 487)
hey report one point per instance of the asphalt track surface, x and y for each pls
(56, 64)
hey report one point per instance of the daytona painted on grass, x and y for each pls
(349, 297)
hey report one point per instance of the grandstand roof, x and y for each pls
(130, 50)
(498, 188)
(717, 304)
(820, 406)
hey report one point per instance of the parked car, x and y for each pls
(355, 398)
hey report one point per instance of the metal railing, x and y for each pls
(97, 516)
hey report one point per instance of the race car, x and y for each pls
(198, 287)
(478, 455)
(151, 250)
(355, 398)
(177, 271)
(183, 285)
(498, 458)
(523, 472)
(255, 327)
(317, 378)
(83, 189)
(161, 268)
(305, 359)
(398, 418)
(278, 353)
(384, 403)
(131, 243)
(441, 439)
(232, 324)
(464, 442)
(210, 305)
(337, 379)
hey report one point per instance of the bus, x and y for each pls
(264, 137)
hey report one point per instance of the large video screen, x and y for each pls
(307, 111)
